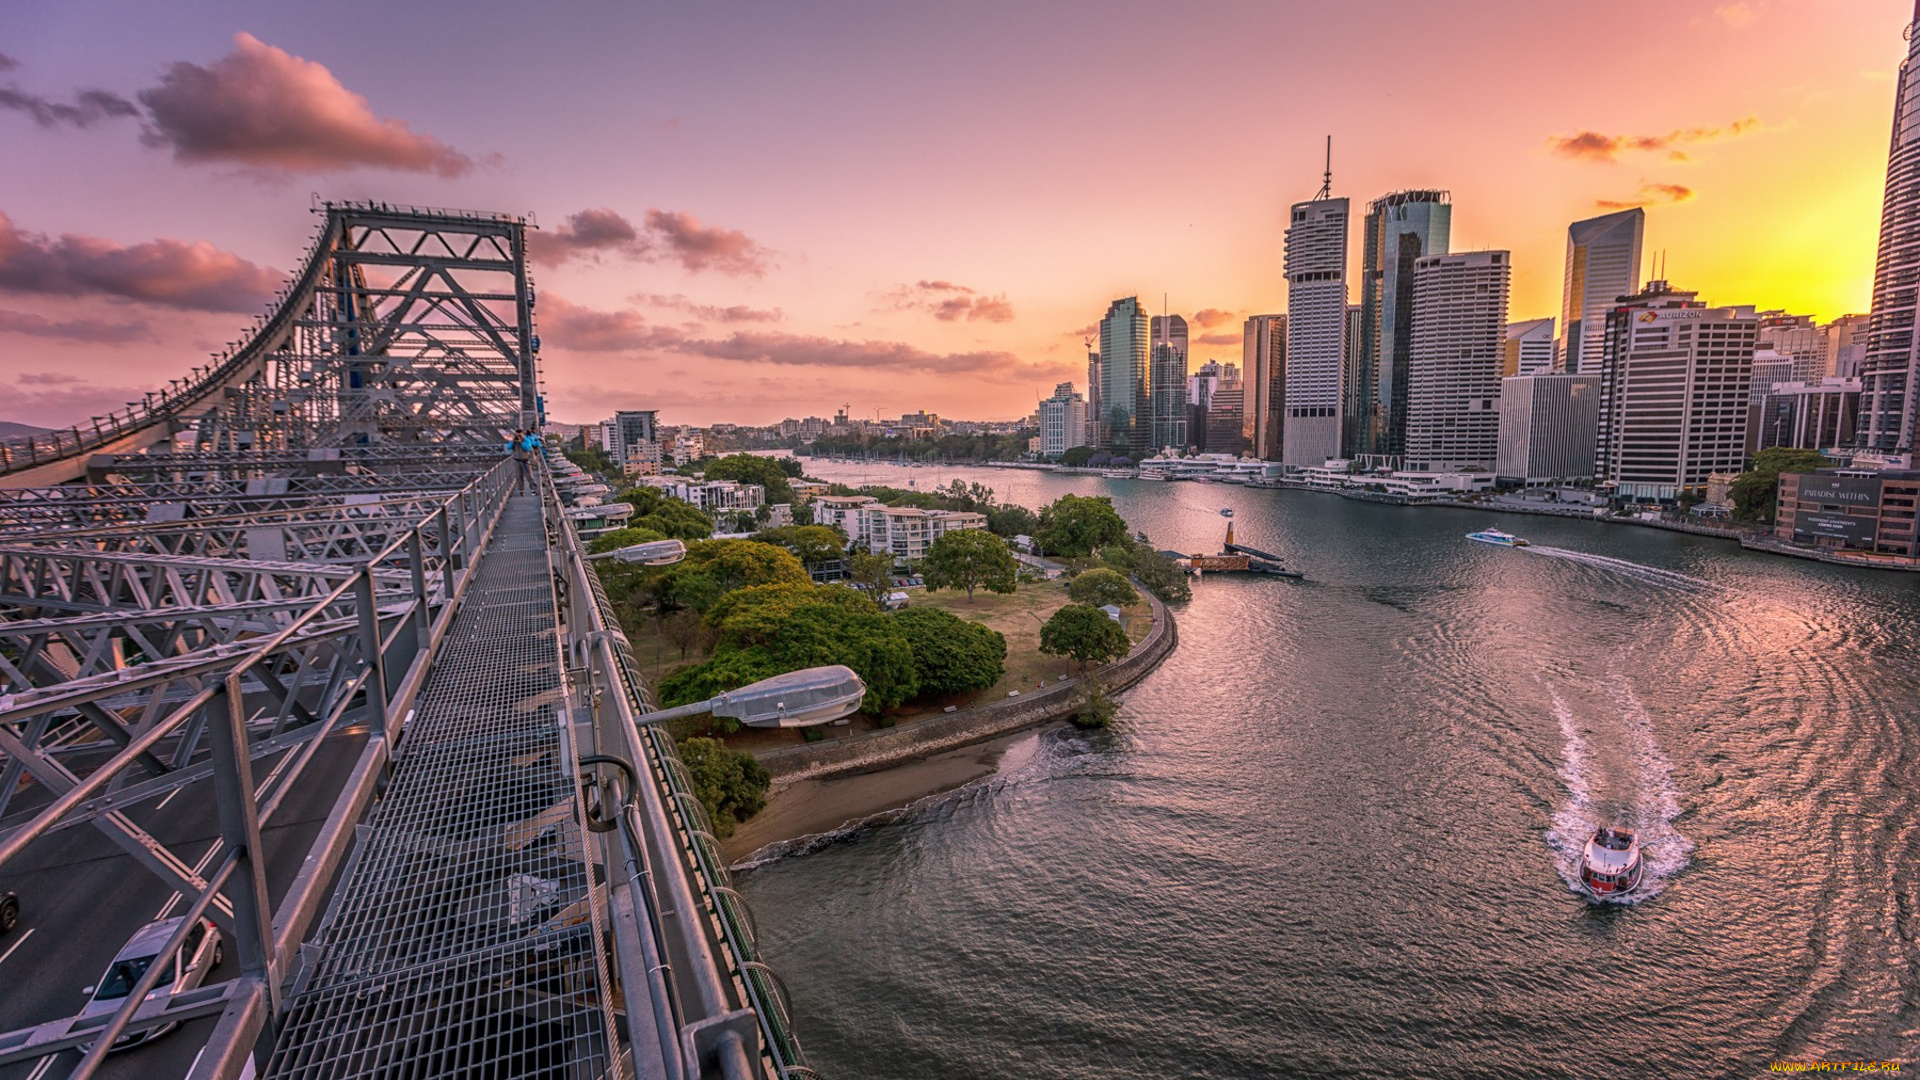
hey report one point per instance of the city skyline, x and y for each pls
(884, 261)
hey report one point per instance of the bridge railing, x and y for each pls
(390, 642)
(724, 1012)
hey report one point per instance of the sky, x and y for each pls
(753, 209)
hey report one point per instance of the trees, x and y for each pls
(1083, 634)
(619, 538)
(729, 783)
(765, 631)
(1076, 456)
(753, 469)
(665, 515)
(1012, 520)
(970, 559)
(950, 654)
(714, 568)
(870, 571)
(1102, 586)
(1755, 492)
(811, 544)
(1075, 525)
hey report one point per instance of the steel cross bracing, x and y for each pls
(404, 325)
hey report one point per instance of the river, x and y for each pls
(1334, 834)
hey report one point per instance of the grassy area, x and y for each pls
(1017, 616)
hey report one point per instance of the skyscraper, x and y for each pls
(1459, 333)
(1399, 228)
(1890, 379)
(1263, 373)
(1799, 338)
(1096, 422)
(1200, 387)
(1123, 377)
(1529, 348)
(1167, 384)
(1547, 424)
(1675, 401)
(1603, 265)
(1316, 268)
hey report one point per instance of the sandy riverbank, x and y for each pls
(817, 807)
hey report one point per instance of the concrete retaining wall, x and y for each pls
(977, 723)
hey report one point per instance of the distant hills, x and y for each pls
(11, 430)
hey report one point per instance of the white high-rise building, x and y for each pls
(1316, 267)
(1890, 379)
(1453, 371)
(1675, 393)
(1547, 423)
(1797, 337)
(1063, 421)
(1603, 265)
(1529, 348)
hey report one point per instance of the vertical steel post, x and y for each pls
(240, 832)
(375, 656)
(417, 563)
(447, 572)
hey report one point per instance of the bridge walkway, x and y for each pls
(465, 937)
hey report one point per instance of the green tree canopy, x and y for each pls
(970, 559)
(1084, 634)
(872, 572)
(753, 469)
(620, 538)
(714, 568)
(1076, 456)
(666, 515)
(729, 783)
(1756, 491)
(1102, 586)
(1075, 525)
(811, 544)
(1012, 520)
(952, 655)
(1162, 576)
(810, 635)
(756, 615)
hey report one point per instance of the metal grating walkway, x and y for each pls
(465, 937)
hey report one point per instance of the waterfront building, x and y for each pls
(1801, 340)
(1124, 351)
(1316, 269)
(1225, 415)
(1603, 265)
(1263, 373)
(906, 532)
(1809, 416)
(1547, 423)
(1399, 229)
(1675, 393)
(1063, 421)
(1167, 384)
(632, 434)
(1890, 378)
(1825, 509)
(1459, 333)
(1529, 348)
(1200, 389)
(1096, 427)
(714, 495)
(846, 513)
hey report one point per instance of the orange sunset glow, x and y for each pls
(754, 210)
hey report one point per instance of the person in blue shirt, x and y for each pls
(520, 447)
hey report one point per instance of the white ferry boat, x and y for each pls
(1610, 865)
(1495, 536)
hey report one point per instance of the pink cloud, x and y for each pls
(949, 302)
(1597, 146)
(700, 247)
(566, 325)
(732, 313)
(1649, 195)
(1206, 317)
(588, 232)
(97, 331)
(171, 273)
(262, 106)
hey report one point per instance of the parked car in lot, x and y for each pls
(187, 968)
(9, 912)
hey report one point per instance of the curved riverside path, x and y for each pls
(976, 723)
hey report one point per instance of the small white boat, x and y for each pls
(1496, 537)
(1226, 511)
(1610, 864)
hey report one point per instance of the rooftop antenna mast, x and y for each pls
(1326, 180)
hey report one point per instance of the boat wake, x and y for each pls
(1648, 803)
(1652, 575)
